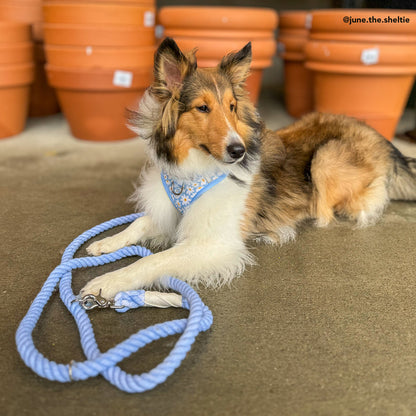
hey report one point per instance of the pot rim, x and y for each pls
(291, 44)
(96, 35)
(370, 57)
(343, 69)
(112, 14)
(217, 17)
(100, 56)
(95, 79)
(22, 74)
(219, 33)
(262, 49)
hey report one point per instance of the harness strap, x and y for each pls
(184, 193)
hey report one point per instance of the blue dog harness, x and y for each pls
(183, 193)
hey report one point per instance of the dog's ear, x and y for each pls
(172, 66)
(236, 66)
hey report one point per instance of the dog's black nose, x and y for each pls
(236, 150)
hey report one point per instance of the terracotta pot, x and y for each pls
(14, 98)
(368, 81)
(95, 107)
(13, 32)
(16, 53)
(330, 25)
(99, 57)
(218, 18)
(23, 11)
(83, 35)
(98, 14)
(298, 87)
(216, 31)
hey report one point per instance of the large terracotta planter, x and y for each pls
(99, 57)
(85, 35)
(93, 105)
(298, 88)
(15, 83)
(368, 81)
(216, 31)
(98, 14)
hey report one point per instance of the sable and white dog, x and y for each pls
(216, 177)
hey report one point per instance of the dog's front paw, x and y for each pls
(107, 245)
(105, 286)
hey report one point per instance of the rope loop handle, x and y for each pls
(105, 363)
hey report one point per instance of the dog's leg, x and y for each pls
(141, 229)
(187, 261)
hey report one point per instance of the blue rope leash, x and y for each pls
(200, 319)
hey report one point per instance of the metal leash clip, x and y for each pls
(89, 302)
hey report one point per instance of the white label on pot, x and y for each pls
(123, 79)
(159, 31)
(370, 56)
(149, 19)
(308, 21)
(88, 50)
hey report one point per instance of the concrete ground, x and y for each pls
(322, 326)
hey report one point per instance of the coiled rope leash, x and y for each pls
(199, 319)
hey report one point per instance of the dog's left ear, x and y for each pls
(236, 66)
(171, 65)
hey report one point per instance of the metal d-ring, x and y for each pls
(172, 190)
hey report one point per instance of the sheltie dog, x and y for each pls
(216, 177)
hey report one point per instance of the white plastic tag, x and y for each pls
(122, 79)
(149, 19)
(308, 21)
(370, 56)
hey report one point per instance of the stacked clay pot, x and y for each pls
(293, 35)
(100, 60)
(24, 11)
(16, 76)
(217, 31)
(365, 70)
(42, 98)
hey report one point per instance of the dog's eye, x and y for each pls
(203, 109)
(232, 107)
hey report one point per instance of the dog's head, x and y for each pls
(204, 112)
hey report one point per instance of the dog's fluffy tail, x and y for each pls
(403, 179)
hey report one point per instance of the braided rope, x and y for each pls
(200, 319)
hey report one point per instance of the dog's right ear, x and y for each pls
(172, 66)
